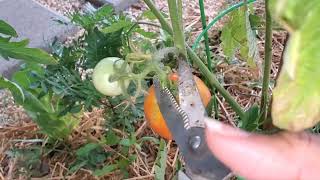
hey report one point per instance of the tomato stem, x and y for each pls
(152, 66)
(165, 25)
(267, 64)
(194, 57)
(138, 57)
(175, 9)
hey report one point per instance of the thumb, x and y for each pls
(253, 156)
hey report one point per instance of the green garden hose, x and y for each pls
(206, 38)
(216, 19)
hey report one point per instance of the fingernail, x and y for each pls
(222, 129)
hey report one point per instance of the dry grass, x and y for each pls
(191, 15)
(90, 129)
(243, 82)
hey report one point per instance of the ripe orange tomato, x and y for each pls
(152, 111)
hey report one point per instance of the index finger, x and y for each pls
(256, 156)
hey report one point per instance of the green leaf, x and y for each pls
(252, 54)
(41, 111)
(86, 150)
(76, 109)
(111, 138)
(234, 33)
(293, 13)
(228, 44)
(251, 120)
(15, 89)
(105, 170)
(149, 15)
(54, 126)
(78, 166)
(22, 43)
(17, 51)
(161, 162)
(25, 76)
(255, 21)
(33, 103)
(6, 29)
(100, 45)
(4, 39)
(238, 35)
(127, 142)
(296, 98)
(88, 21)
(89, 156)
(116, 26)
(146, 34)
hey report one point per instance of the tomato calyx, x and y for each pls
(137, 67)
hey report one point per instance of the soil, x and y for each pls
(64, 7)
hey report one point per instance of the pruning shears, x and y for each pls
(185, 121)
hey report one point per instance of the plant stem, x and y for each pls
(165, 25)
(176, 22)
(216, 19)
(245, 2)
(179, 6)
(214, 82)
(267, 63)
(193, 56)
(267, 124)
(209, 63)
(206, 38)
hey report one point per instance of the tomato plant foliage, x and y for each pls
(238, 34)
(18, 50)
(296, 97)
(55, 95)
(101, 45)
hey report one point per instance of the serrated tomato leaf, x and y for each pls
(100, 45)
(17, 50)
(296, 98)
(89, 20)
(237, 34)
(117, 26)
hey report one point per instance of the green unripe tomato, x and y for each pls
(101, 74)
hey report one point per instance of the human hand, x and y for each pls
(254, 156)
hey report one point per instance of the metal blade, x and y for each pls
(172, 113)
(182, 176)
(200, 162)
(189, 97)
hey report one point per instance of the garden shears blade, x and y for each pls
(186, 124)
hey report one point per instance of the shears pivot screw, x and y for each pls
(195, 142)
